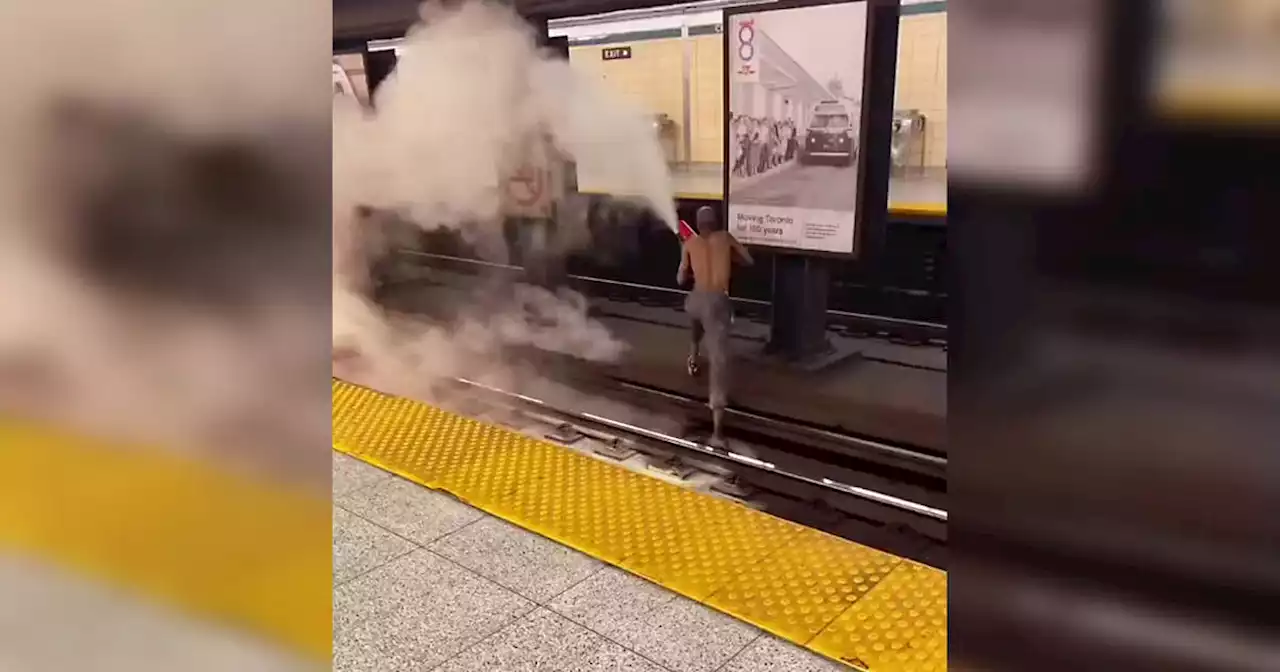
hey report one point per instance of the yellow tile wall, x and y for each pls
(706, 86)
(922, 77)
(653, 77)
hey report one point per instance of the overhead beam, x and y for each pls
(355, 20)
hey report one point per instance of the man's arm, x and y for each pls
(743, 255)
(682, 275)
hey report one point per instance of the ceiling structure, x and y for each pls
(381, 19)
(372, 19)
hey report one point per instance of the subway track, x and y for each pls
(893, 329)
(829, 447)
(894, 510)
(878, 493)
(825, 444)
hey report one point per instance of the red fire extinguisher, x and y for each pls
(686, 231)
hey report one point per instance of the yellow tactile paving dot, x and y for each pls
(900, 626)
(799, 590)
(782, 577)
(216, 543)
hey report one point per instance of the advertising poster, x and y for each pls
(794, 125)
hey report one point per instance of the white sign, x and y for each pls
(534, 187)
(744, 50)
(799, 228)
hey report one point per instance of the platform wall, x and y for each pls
(922, 77)
(654, 77)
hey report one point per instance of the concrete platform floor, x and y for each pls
(425, 582)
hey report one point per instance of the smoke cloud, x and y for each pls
(163, 253)
(471, 92)
(472, 99)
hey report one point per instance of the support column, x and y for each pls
(798, 335)
(801, 281)
(377, 67)
(539, 24)
(543, 265)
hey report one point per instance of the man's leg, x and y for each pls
(695, 348)
(718, 353)
(697, 332)
(534, 248)
(718, 396)
(511, 235)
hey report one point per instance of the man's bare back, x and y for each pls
(710, 257)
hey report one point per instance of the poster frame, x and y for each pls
(860, 220)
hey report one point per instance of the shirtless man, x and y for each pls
(710, 255)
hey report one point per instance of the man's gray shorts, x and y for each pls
(711, 313)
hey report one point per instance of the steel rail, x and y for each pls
(617, 425)
(878, 446)
(668, 290)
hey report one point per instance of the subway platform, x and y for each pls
(464, 545)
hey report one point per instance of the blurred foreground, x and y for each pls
(53, 620)
(1115, 370)
(163, 344)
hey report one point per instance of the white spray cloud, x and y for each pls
(471, 94)
(161, 246)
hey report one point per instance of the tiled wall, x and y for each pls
(653, 77)
(706, 86)
(922, 77)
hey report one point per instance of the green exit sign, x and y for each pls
(616, 53)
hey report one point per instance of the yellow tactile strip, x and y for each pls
(900, 625)
(848, 602)
(220, 545)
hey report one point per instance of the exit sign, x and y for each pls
(616, 53)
